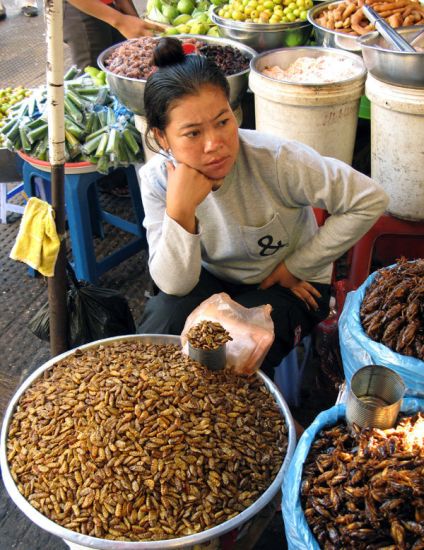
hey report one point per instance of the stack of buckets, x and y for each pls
(325, 118)
(397, 145)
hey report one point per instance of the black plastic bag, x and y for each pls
(93, 313)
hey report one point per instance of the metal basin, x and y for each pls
(130, 91)
(388, 65)
(85, 541)
(328, 38)
(265, 36)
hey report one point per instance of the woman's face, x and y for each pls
(202, 132)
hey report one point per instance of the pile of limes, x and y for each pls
(266, 11)
(8, 97)
(183, 16)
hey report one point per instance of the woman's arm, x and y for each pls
(126, 6)
(130, 26)
(353, 200)
(172, 233)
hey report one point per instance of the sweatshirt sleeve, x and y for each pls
(353, 200)
(174, 253)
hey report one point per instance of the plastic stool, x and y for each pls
(85, 217)
(288, 374)
(5, 205)
(363, 249)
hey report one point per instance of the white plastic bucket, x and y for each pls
(323, 116)
(397, 146)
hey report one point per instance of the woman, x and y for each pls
(231, 211)
(92, 26)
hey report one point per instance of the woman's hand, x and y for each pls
(132, 26)
(187, 188)
(302, 289)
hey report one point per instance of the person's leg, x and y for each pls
(2, 11)
(167, 314)
(86, 36)
(29, 8)
(292, 319)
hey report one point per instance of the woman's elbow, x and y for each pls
(173, 288)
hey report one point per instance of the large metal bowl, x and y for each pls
(328, 38)
(398, 68)
(130, 91)
(84, 541)
(263, 36)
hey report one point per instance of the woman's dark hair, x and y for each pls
(178, 75)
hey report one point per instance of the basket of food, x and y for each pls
(129, 64)
(339, 24)
(99, 132)
(351, 487)
(382, 323)
(264, 25)
(127, 439)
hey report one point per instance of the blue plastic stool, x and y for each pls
(289, 373)
(85, 217)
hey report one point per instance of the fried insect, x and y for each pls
(380, 502)
(392, 311)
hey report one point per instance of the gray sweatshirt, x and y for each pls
(260, 216)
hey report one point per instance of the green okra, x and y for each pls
(91, 145)
(71, 73)
(26, 145)
(98, 132)
(38, 133)
(101, 149)
(112, 142)
(131, 141)
(72, 110)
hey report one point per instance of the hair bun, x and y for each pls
(168, 52)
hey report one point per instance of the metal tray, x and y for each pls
(103, 544)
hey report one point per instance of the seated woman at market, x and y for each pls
(229, 210)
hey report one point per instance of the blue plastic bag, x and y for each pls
(298, 534)
(358, 349)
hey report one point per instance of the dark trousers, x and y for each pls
(86, 36)
(166, 314)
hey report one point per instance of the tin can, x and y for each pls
(214, 359)
(374, 397)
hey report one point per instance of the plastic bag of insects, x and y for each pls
(359, 349)
(251, 330)
(330, 521)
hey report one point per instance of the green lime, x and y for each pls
(183, 29)
(203, 5)
(171, 31)
(185, 6)
(213, 31)
(153, 4)
(198, 28)
(201, 18)
(170, 12)
(181, 19)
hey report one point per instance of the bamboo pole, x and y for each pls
(53, 11)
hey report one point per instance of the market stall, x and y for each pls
(131, 452)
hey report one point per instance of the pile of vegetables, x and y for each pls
(184, 16)
(98, 129)
(8, 97)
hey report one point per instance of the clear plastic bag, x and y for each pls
(251, 329)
